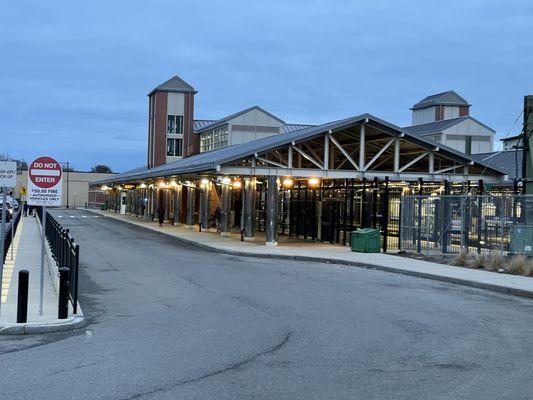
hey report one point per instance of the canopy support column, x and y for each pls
(191, 195)
(177, 204)
(272, 211)
(249, 208)
(204, 207)
(225, 212)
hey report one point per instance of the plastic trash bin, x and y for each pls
(366, 240)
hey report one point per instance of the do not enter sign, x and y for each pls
(45, 182)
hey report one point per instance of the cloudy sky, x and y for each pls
(74, 74)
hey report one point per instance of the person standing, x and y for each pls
(161, 213)
(25, 209)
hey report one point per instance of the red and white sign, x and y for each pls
(45, 182)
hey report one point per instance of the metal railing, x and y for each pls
(473, 223)
(8, 233)
(65, 252)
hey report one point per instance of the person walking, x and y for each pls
(161, 213)
(25, 209)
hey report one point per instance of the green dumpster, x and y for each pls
(366, 240)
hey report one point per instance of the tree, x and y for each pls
(102, 168)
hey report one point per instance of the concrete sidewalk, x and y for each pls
(290, 248)
(27, 255)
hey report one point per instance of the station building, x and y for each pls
(316, 182)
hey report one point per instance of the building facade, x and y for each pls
(318, 182)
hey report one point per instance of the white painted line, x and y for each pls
(45, 172)
(84, 216)
(59, 216)
(72, 216)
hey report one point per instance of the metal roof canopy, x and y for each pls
(449, 98)
(252, 158)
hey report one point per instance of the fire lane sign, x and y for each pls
(45, 183)
(8, 174)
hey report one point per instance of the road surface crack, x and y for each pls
(231, 367)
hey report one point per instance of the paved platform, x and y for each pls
(27, 255)
(291, 248)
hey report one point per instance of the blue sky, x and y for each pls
(74, 74)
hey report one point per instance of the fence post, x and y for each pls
(419, 218)
(62, 312)
(22, 296)
(385, 215)
(479, 214)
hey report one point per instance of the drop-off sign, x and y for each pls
(45, 182)
(8, 174)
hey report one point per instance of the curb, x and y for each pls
(426, 275)
(73, 323)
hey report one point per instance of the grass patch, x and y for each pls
(462, 259)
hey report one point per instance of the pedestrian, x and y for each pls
(218, 217)
(161, 213)
(25, 209)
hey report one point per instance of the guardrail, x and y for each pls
(7, 237)
(65, 252)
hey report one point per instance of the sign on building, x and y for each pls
(8, 174)
(45, 182)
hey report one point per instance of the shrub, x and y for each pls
(496, 262)
(462, 259)
(518, 264)
(479, 261)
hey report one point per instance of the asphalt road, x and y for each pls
(169, 321)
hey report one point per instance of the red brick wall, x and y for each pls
(160, 131)
(191, 141)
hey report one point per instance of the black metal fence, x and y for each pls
(7, 237)
(65, 252)
(474, 223)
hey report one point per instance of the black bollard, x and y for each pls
(62, 312)
(22, 297)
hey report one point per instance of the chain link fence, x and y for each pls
(482, 224)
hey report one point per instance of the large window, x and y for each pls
(174, 147)
(175, 124)
(215, 139)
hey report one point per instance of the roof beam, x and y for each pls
(379, 153)
(347, 174)
(307, 156)
(344, 152)
(414, 161)
(270, 162)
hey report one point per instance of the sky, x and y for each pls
(74, 75)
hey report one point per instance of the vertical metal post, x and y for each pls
(177, 204)
(12, 233)
(479, 213)
(445, 216)
(22, 296)
(225, 210)
(362, 154)
(375, 202)
(419, 217)
(271, 227)
(3, 240)
(204, 206)
(385, 215)
(62, 310)
(249, 208)
(191, 192)
(41, 279)
(364, 218)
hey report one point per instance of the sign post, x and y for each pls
(8, 178)
(44, 189)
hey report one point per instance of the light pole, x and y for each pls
(67, 169)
